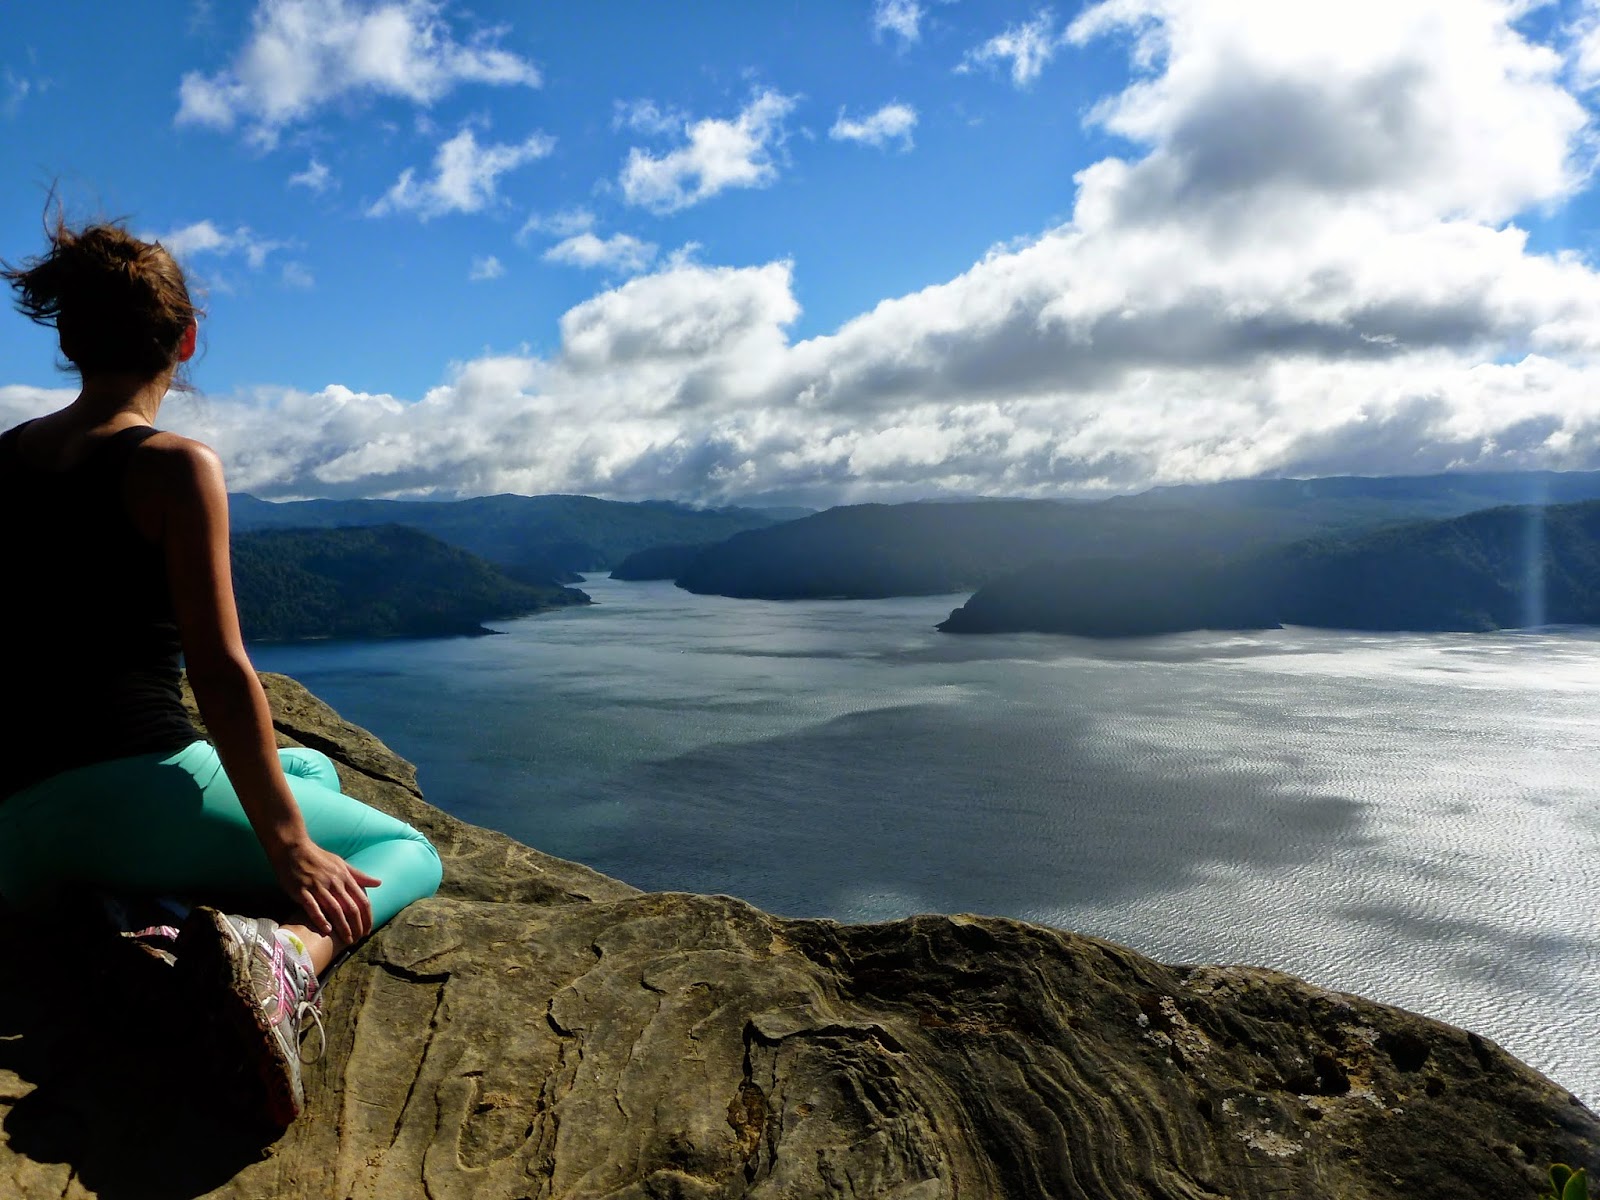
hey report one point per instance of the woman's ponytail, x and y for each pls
(118, 304)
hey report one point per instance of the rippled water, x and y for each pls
(1412, 817)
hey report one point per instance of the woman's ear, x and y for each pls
(186, 343)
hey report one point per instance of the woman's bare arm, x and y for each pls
(178, 496)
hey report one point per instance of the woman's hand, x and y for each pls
(329, 889)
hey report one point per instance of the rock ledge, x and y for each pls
(541, 1031)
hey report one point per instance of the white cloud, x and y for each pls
(1583, 45)
(303, 54)
(465, 177)
(1028, 47)
(563, 223)
(485, 268)
(1215, 307)
(20, 402)
(297, 275)
(718, 155)
(1452, 112)
(876, 129)
(316, 177)
(902, 18)
(619, 252)
(707, 316)
(203, 237)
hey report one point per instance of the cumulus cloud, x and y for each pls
(900, 18)
(316, 177)
(620, 252)
(1452, 112)
(486, 268)
(891, 122)
(705, 316)
(718, 154)
(1215, 307)
(465, 177)
(1024, 49)
(303, 54)
(204, 238)
(1583, 46)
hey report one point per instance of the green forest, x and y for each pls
(933, 547)
(374, 581)
(537, 539)
(1502, 568)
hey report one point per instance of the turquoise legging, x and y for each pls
(172, 823)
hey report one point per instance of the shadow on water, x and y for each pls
(968, 814)
(118, 1082)
(1537, 963)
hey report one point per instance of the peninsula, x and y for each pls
(1503, 568)
(378, 581)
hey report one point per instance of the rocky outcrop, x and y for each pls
(539, 1030)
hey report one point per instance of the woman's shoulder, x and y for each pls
(172, 453)
(172, 465)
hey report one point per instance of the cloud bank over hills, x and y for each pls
(1304, 262)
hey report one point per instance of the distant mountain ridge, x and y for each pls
(531, 538)
(933, 547)
(1499, 568)
(1450, 493)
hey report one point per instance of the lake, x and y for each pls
(1414, 817)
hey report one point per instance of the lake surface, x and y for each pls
(1412, 817)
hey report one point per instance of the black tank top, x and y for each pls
(89, 650)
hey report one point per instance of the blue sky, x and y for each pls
(830, 251)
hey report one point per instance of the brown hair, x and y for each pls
(117, 303)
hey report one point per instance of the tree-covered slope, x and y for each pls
(532, 538)
(874, 550)
(1501, 568)
(378, 581)
(657, 562)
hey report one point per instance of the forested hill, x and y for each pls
(1501, 568)
(379, 581)
(532, 538)
(658, 562)
(874, 550)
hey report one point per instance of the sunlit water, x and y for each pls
(1412, 817)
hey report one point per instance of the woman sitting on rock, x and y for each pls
(115, 537)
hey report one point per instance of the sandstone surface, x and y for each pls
(539, 1031)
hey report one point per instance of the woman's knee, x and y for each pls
(302, 762)
(406, 857)
(430, 867)
(410, 869)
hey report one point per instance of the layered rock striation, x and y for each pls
(538, 1030)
